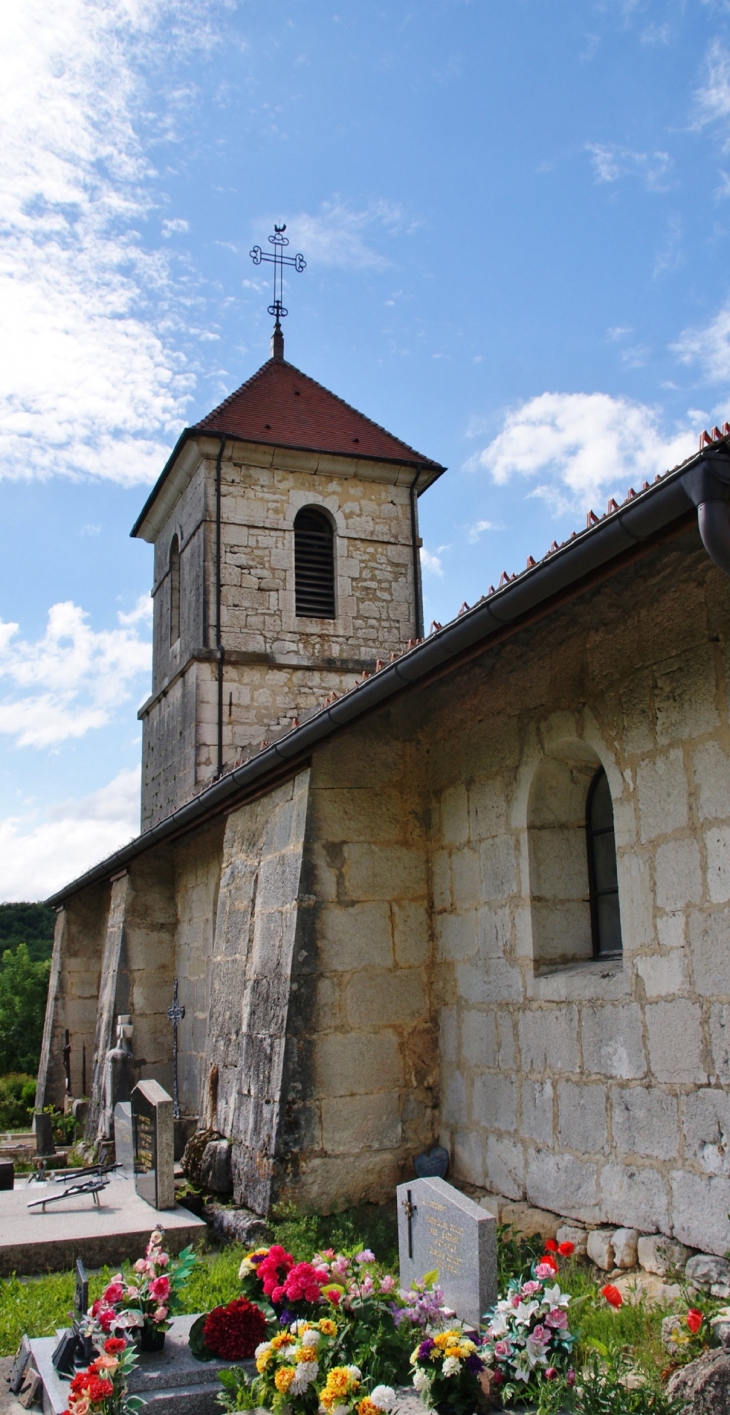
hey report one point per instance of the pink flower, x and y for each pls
(162, 1260)
(530, 1288)
(540, 1335)
(114, 1292)
(387, 1284)
(550, 1373)
(341, 1266)
(557, 1319)
(140, 1265)
(160, 1288)
(502, 1350)
(544, 1270)
(160, 1314)
(571, 1377)
(365, 1257)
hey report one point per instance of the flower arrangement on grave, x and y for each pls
(231, 1332)
(289, 1369)
(144, 1301)
(446, 1371)
(528, 1338)
(102, 1388)
(377, 1319)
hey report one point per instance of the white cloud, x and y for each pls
(141, 614)
(338, 234)
(90, 385)
(712, 97)
(42, 850)
(430, 562)
(582, 445)
(708, 346)
(478, 528)
(612, 161)
(70, 681)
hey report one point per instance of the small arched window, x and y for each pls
(174, 590)
(314, 565)
(602, 871)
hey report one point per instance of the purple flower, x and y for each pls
(425, 1349)
(286, 1317)
(474, 1363)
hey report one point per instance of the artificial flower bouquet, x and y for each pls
(144, 1301)
(230, 1332)
(446, 1371)
(102, 1388)
(290, 1369)
(528, 1338)
(290, 1288)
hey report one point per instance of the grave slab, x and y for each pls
(170, 1382)
(438, 1227)
(35, 1242)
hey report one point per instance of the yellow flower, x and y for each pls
(262, 1362)
(327, 1327)
(454, 1351)
(284, 1338)
(283, 1379)
(307, 1354)
(366, 1407)
(443, 1339)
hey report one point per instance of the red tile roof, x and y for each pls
(284, 407)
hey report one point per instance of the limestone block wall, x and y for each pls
(188, 521)
(169, 744)
(73, 993)
(361, 1073)
(197, 881)
(597, 1089)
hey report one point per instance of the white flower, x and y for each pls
(524, 1313)
(304, 1373)
(499, 1326)
(383, 1397)
(420, 1381)
(354, 1372)
(262, 1346)
(535, 1352)
(555, 1297)
(451, 1366)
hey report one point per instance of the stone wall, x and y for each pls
(597, 1089)
(197, 881)
(277, 666)
(73, 993)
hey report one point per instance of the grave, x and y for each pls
(439, 1228)
(152, 1129)
(43, 1128)
(170, 1382)
(124, 1138)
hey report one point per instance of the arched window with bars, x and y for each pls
(314, 565)
(174, 590)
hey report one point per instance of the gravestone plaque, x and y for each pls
(81, 1292)
(440, 1228)
(123, 1138)
(152, 1130)
(43, 1134)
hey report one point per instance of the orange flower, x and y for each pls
(612, 1295)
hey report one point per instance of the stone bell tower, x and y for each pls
(286, 563)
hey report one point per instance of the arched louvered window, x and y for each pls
(314, 565)
(174, 590)
(602, 872)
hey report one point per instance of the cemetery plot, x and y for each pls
(439, 1228)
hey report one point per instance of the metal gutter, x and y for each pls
(703, 482)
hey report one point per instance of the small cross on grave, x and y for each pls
(410, 1209)
(175, 1014)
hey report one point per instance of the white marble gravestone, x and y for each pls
(439, 1228)
(153, 1134)
(124, 1138)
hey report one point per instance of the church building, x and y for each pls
(470, 887)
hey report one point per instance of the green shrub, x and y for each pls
(17, 1096)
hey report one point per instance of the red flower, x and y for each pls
(565, 1249)
(99, 1389)
(302, 1283)
(694, 1320)
(612, 1295)
(551, 1246)
(234, 1332)
(114, 1292)
(114, 1344)
(160, 1288)
(550, 1261)
(268, 1269)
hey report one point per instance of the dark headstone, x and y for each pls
(7, 1174)
(43, 1127)
(17, 1370)
(81, 1292)
(64, 1355)
(154, 1166)
(432, 1164)
(440, 1228)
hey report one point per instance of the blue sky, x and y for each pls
(516, 221)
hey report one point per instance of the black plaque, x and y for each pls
(144, 1128)
(81, 1292)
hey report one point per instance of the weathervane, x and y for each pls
(278, 260)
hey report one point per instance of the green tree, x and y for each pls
(23, 988)
(31, 924)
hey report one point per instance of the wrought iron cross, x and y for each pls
(410, 1211)
(278, 260)
(175, 1014)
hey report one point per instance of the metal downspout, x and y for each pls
(220, 652)
(417, 590)
(708, 486)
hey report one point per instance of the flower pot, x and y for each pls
(151, 1338)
